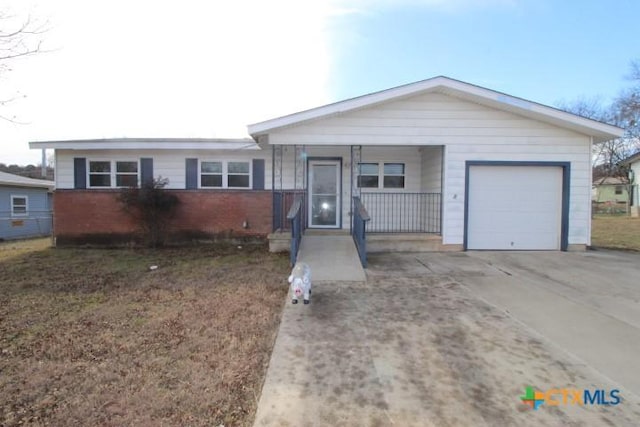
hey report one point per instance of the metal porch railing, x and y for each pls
(295, 216)
(360, 218)
(403, 212)
(282, 202)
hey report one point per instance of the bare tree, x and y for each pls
(19, 38)
(624, 112)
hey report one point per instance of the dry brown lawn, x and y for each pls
(93, 337)
(616, 232)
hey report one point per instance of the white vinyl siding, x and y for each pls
(635, 167)
(468, 131)
(431, 169)
(169, 164)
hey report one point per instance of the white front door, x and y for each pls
(324, 194)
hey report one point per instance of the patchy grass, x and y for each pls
(93, 337)
(616, 232)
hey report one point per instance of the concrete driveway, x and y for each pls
(454, 339)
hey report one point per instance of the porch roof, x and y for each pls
(598, 130)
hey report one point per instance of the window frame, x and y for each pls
(618, 190)
(403, 175)
(225, 174)
(13, 205)
(360, 174)
(113, 173)
(382, 175)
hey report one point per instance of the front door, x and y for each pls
(324, 194)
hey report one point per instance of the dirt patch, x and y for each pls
(94, 337)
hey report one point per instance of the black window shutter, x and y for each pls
(146, 170)
(258, 174)
(192, 174)
(79, 172)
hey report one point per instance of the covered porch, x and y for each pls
(388, 198)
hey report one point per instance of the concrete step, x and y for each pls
(407, 242)
(326, 232)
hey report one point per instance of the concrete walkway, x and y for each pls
(332, 258)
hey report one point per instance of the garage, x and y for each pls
(516, 206)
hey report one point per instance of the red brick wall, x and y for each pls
(96, 216)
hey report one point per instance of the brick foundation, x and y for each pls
(97, 217)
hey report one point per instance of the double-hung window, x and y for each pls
(238, 174)
(100, 174)
(108, 173)
(225, 174)
(126, 174)
(211, 174)
(368, 175)
(381, 175)
(393, 175)
(19, 205)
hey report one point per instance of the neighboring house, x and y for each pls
(25, 207)
(634, 177)
(610, 190)
(465, 166)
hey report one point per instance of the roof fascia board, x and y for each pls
(244, 144)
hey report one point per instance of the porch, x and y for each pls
(394, 194)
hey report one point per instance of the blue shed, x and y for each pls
(25, 207)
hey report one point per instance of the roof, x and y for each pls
(445, 85)
(21, 181)
(149, 144)
(631, 159)
(610, 180)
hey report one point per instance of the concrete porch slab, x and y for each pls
(331, 258)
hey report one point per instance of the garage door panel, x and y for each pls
(505, 241)
(514, 207)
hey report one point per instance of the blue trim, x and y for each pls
(191, 170)
(338, 159)
(146, 170)
(258, 174)
(277, 210)
(79, 172)
(566, 193)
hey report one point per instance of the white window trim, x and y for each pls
(225, 174)
(26, 206)
(112, 173)
(381, 175)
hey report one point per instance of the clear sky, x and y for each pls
(207, 68)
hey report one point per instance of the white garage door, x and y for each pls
(514, 207)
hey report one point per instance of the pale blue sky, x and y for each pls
(542, 50)
(203, 68)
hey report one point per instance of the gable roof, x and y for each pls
(10, 179)
(456, 88)
(150, 144)
(610, 180)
